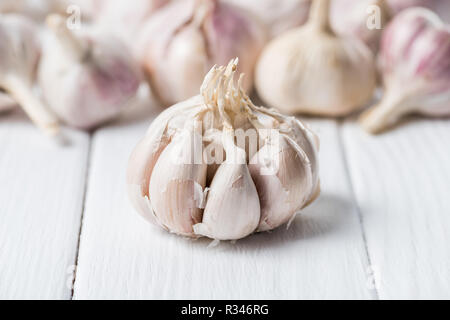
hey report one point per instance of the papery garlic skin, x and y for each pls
(280, 192)
(278, 16)
(184, 39)
(87, 78)
(233, 210)
(415, 64)
(19, 55)
(362, 19)
(311, 70)
(227, 205)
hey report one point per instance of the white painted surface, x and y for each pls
(400, 180)
(41, 196)
(322, 255)
(402, 185)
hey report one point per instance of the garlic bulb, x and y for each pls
(124, 18)
(19, 55)
(278, 16)
(86, 78)
(216, 165)
(6, 103)
(183, 40)
(364, 20)
(415, 64)
(311, 70)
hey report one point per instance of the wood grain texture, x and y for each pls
(322, 254)
(402, 181)
(41, 197)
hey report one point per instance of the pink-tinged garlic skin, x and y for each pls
(184, 39)
(144, 157)
(415, 64)
(87, 78)
(350, 17)
(278, 16)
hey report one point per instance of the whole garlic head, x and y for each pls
(415, 64)
(216, 165)
(183, 40)
(313, 71)
(86, 78)
(278, 16)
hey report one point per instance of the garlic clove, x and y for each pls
(178, 180)
(19, 55)
(145, 155)
(232, 209)
(311, 70)
(415, 50)
(142, 162)
(282, 176)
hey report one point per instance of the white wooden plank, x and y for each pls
(121, 256)
(41, 197)
(402, 182)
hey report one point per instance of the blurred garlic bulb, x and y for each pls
(216, 165)
(440, 7)
(86, 78)
(183, 40)
(415, 64)
(362, 19)
(125, 18)
(311, 70)
(278, 16)
(19, 55)
(6, 103)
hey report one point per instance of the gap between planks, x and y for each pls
(86, 185)
(375, 294)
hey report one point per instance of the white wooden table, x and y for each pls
(380, 230)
